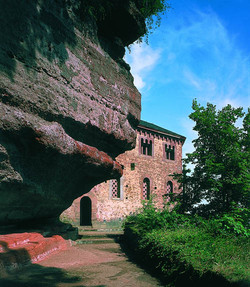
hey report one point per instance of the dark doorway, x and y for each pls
(85, 211)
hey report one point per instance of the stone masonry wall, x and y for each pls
(156, 168)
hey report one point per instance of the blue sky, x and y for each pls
(201, 50)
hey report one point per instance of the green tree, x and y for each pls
(187, 198)
(221, 161)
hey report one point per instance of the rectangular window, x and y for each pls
(116, 189)
(167, 150)
(146, 189)
(132, 166)
(146, 146)
(170, 152)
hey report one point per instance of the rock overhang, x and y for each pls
(67, 110)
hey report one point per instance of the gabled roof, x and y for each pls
(154, 128)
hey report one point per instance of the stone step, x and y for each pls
(99, 229)
(98, 237)
(86, 228)
(99, 234)
(95, 241)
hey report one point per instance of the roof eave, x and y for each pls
(159, 132)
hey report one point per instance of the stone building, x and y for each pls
(147, 171)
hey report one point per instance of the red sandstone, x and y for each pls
(19, 249)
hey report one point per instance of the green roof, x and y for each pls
(144, 124)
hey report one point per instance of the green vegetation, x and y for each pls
(190, 249)
(203, 237)
(151, 10)
(221, 175)
(98, 9)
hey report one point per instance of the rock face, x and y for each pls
(68, 105)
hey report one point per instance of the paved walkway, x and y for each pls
(97, 261)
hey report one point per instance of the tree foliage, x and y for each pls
(221, 162)
(151, 10)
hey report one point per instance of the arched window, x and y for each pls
(146, 189)
(169, 191)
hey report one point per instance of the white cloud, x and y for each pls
(229, 101)
(190, 134)
(198, 54)
(138, 82)
(142, 59)
(192, 79)
(209, 61)
(194, 56)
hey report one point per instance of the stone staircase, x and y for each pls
(89, 235)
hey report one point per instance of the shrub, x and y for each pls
(227, 225)
(150, 218)
(191, 249)
(192, 253)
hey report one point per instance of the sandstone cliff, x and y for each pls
(68, 105)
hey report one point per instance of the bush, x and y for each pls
(227, 225)
(192, 254)
(191, 249)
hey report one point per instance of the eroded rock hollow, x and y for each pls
(68, 105)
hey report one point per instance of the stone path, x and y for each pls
(96, 261)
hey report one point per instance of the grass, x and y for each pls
(184, 250)
(195, 248)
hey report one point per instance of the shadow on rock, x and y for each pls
(9, 259)
(30, 28)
